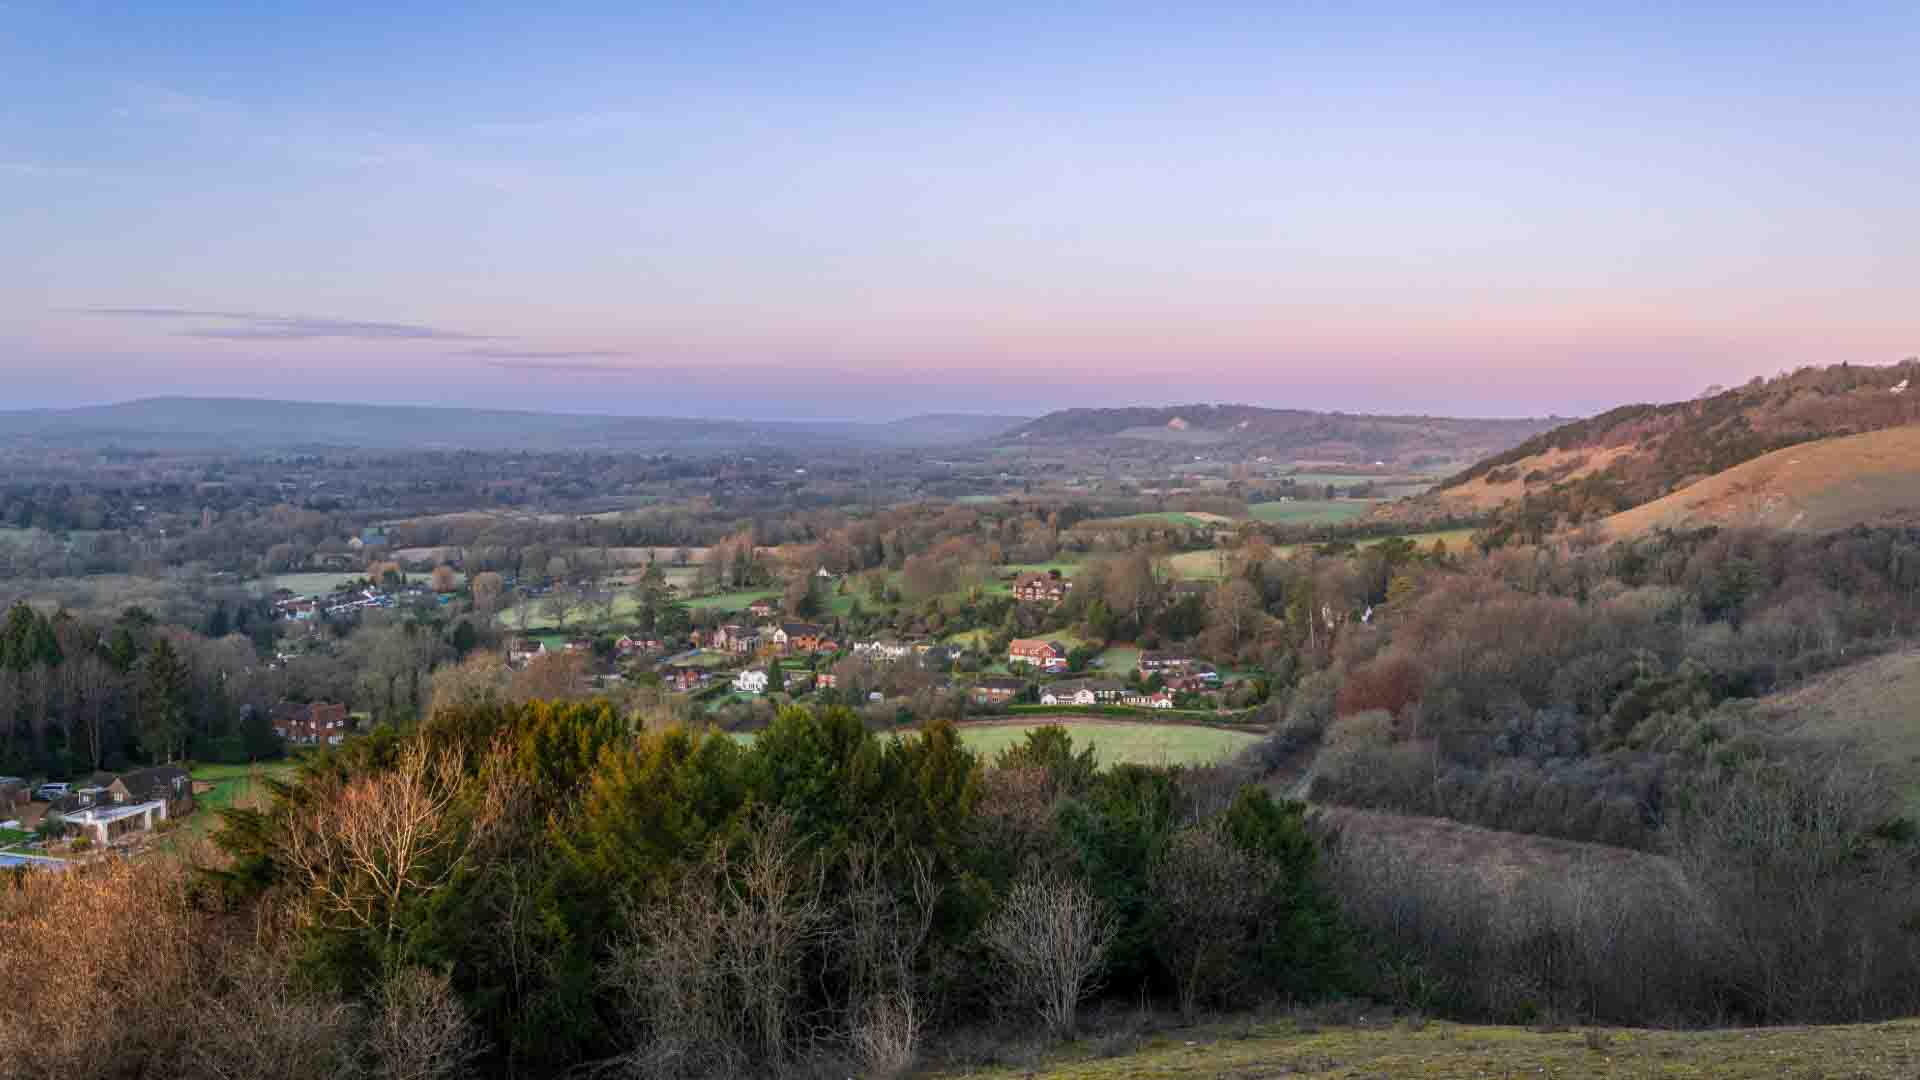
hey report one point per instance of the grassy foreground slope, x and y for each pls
(1872, 478)
(1440, 1051)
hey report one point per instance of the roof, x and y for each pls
(802, 629)
(1074, 686)
(156, 781)
(1033, 643)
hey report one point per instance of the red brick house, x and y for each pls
(1041, 588)
(997, 690)
(1044, 655)
(319, 722)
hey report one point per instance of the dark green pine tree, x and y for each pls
(163, 702)
(776, 678)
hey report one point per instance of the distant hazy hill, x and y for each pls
(1287, 433)
(1638, 453)
(250, 424)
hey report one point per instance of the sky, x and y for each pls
(859, 210)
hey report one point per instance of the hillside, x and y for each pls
(1377, 1045)
(1870, 479)
(1287, 434)
(1872, 706)
(254, 424)
(1635, 454)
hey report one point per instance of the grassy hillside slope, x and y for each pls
(1638, 453)
(1814, 487)
(1441, 1051)
(1873, 705)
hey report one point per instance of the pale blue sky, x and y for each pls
(866, 210)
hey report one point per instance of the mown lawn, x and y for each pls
(232, 785)
(1443, 1051)
(10, 837)
(1120, 741)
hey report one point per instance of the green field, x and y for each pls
(1203, 565)
(1160, 518)
(733, 601)
(1117, 661)
(315, 583)
(232, 785)
(1383, 1047)
(10, 837)
(1310, 511)
(1122, 741)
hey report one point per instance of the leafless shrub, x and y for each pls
(1051, 937)
(251, 1024)
(1211, 893)
(709, 978)
(422, 1031)
(879, 935)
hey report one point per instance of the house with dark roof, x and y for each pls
(997, 690)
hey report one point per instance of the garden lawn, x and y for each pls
(10, 837)
(232, 785)
(733, 601)
(315, 584)
(1116, 662)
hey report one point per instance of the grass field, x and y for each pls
(1118, 660)
(1117, 742)
(232, 785)
(1203, 565)
(10, 837)
(315, 583)
(1443, 1051)
(1310, 511)
(732, 601)
(1159, 518)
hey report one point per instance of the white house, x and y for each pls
(882, 650)
(1082, 692)
(753, 681)
(1161, 700)
(106, 822)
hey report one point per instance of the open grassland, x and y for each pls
(732, 601)
(1442, 1051)
(1207, 564)
(1872, 706)
(1310, 511)
(1120, 741)
(1814, 487)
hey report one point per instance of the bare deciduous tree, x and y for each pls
(384, 840)
(1051, 937)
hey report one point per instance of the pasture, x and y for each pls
(1310, 511)
(1118, 742)
(318, 583)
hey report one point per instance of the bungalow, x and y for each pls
(997, 690)
(751, 681)
(1160, 700)
(1163, 661)
(128, 804)
(1082, 692)
(685, 679)
(1049, 588)
(522, 651)
(762, 609)
(798, 637)
(317, 722)
(1044, 655)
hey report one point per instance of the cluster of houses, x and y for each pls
(107, 808)
(290, 606)
(1048, 588)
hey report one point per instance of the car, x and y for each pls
(51, 792)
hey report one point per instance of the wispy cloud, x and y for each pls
(511, 355)
(41, 170)
(254, 326)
